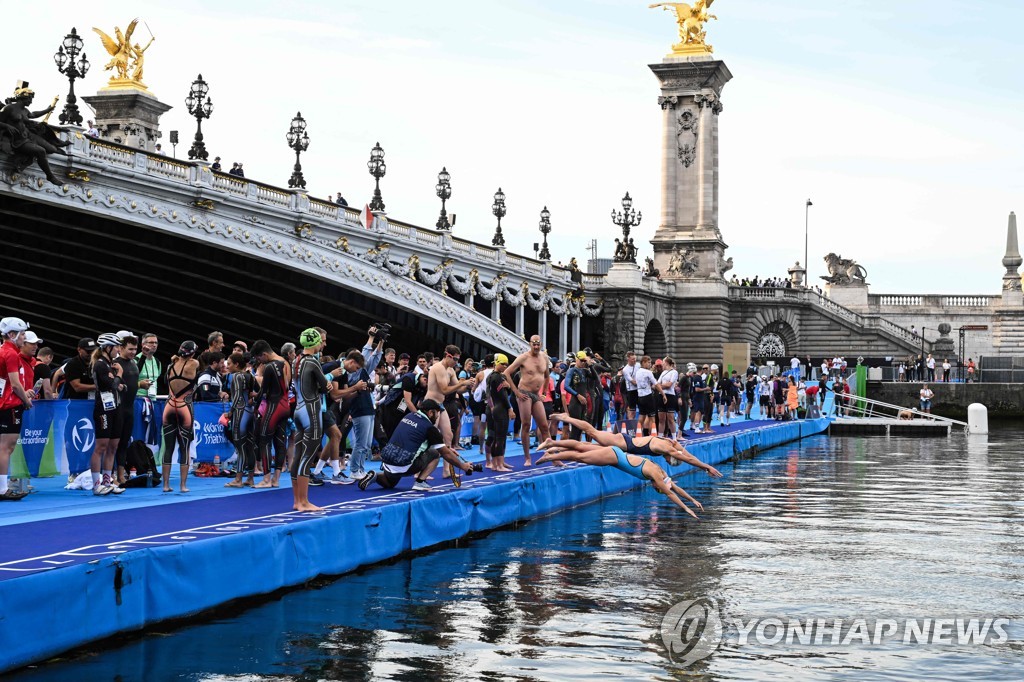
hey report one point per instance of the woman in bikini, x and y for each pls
(634, 465)
(178, 412)
(649, 446)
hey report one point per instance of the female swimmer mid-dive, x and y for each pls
(633, 445)
(636, 466)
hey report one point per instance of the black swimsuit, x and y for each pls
(632, 449)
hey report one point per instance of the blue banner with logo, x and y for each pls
(209, 441)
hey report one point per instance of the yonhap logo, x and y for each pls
(692, 631)
(83, 435)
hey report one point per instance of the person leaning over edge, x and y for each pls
(414, 449)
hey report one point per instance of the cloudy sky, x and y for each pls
(900, 120)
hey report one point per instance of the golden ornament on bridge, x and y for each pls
(691, 20)
(126, 59)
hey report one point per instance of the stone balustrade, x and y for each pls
(887, 302)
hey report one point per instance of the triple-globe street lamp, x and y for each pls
(627, 218)
(199, 109)
(71, 65)
(298, 139)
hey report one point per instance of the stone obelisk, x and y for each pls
(1012, 296)
(691, 88)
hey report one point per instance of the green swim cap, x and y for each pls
(309, 338)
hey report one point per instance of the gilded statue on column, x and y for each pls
(126, 59)
(691, 20)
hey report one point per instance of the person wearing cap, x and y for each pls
(311, 388)
(239, 347)
(499, 395)
(634, 465)
(106, 413)
(78, 383)
(699, 398)
(576, 389)
(414, 449)
(14, 399)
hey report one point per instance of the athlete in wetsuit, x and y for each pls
(648, 446)
(272, 412)
(634, 465)
(178, 412)
(311, 387)
(498, 393)
(240, 421)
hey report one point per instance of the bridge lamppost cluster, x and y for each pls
(65, 57)
(377, 170)
(627, 218)
(200, 109)
(545, 229)
(444, 193)
(498, 209)
(298, 139)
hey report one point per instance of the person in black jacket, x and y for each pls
(210, 386)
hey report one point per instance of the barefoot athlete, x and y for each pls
(178, 412)
(533, 377)
(634, 445)
(311, 388)
(443, 388)
(634, 465)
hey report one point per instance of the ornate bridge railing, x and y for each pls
(155, 188)
(883, 302)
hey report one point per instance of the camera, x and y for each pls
(380, 332)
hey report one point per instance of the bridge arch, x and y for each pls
(655, 340)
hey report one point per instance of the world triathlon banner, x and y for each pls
(59, 436)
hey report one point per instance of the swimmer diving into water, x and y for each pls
(633, 445)
(634, 465)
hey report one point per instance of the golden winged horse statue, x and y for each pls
(120, 50)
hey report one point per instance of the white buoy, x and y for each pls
(977, 419)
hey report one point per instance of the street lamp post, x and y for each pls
(626, 219)
(498, 209)
(200, 109)
(443, 189)
(807, 265)
(298, 139)
(545, 229)
(65, 57)
(377, 170)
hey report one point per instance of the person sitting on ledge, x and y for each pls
(634, 445)
(634, 465)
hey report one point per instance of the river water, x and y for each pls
(842, 528)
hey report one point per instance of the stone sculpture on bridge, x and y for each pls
(683, 262)
(844, 271)
(27, 140)
(126, 60)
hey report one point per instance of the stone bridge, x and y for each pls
(141, 240)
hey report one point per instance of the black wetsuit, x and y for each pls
(240, 424)
(310, 387)
(497, 419)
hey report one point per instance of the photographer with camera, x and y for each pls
(373, 349)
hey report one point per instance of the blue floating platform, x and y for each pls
(76, 569)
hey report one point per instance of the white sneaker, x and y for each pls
(421, 485)
(101, 489)
(116, 489)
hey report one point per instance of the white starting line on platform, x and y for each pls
(48, 562)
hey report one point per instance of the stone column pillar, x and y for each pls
(575, 333)
(542, 326)
(496, 309)
(691, 89)
(563, 335)
(521, 319)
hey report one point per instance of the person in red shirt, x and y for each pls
(14, 398)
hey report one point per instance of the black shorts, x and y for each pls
(669, 405)
(108, 424)
(647, 406)
(765, 401)
(10, 420)
(478, 407)
(632, 397)
(330, 419)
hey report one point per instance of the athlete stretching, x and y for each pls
(634, 465)
(634, 445)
